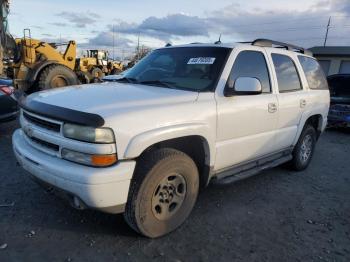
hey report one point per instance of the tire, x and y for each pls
(97, 73)
(304, 149)
(83, 77)
(115, 71)
(55, 76)
(152, 209)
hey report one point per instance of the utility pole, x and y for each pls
(60, 46)
(328, 26)
(138, 47)
(113, 43)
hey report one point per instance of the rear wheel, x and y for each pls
(55, 76)
(97, 73)
(162, 193)
(304, 149)
(115, 71)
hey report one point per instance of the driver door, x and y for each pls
(246, 123)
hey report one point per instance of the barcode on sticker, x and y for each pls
(201, 61)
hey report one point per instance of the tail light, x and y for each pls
(6, 90)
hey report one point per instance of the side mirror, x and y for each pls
(244, 86)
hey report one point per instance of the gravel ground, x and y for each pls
(276, 216)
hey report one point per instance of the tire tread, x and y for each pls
(144, 165)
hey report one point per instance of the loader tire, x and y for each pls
(115, 71)
(55, 76)
(97, 73)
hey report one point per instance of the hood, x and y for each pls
(106, 99)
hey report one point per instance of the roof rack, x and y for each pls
(271, 43)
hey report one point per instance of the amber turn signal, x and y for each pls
(103, 160)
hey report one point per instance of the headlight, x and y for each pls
(88, 159)
(89, 134)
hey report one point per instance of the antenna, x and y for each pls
(328, 26)
(219, 41)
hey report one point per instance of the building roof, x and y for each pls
(330, 50)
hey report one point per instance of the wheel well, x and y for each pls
(316, 122)
(195, 147)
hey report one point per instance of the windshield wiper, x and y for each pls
(126, 80)
(159, 83)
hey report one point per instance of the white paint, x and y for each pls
(235, 129)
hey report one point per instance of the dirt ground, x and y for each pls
(276, 216)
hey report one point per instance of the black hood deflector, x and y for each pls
(60, 113)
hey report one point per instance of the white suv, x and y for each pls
(183, 116)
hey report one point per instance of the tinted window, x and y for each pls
(287, 74)
(339, 85)
(344, 67)
(325, 64)
(313, 72)
(186, 68)
(251, 64)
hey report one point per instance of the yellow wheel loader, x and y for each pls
(96, 64)
(34, 64)
(39, 65)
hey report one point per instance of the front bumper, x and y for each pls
(105, 189)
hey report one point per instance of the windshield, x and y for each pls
(187, 68)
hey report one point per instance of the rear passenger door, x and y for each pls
(292, 98)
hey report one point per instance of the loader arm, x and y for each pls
(51, 53)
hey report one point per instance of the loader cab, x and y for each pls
(100, 55)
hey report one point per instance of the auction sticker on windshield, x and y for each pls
(201, 61)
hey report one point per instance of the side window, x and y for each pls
(325, 64)
(251, 64)
(344, 67)
(287, 74)
(313, 72)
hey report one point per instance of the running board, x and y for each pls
(251, 168)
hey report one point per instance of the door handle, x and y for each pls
(272, 107)
(302, 103)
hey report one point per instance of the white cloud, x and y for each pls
(79, 19)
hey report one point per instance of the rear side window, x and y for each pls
(287, 74)
(251, 64)
(313, 72)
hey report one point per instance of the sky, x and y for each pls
(116, 25)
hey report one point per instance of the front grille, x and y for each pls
(42, 123)
(45, 144)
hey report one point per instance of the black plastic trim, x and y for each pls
(60, 113)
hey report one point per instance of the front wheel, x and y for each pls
(304, 149)
(55, 76)
(162, 193)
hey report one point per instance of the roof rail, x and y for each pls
(271, 43)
